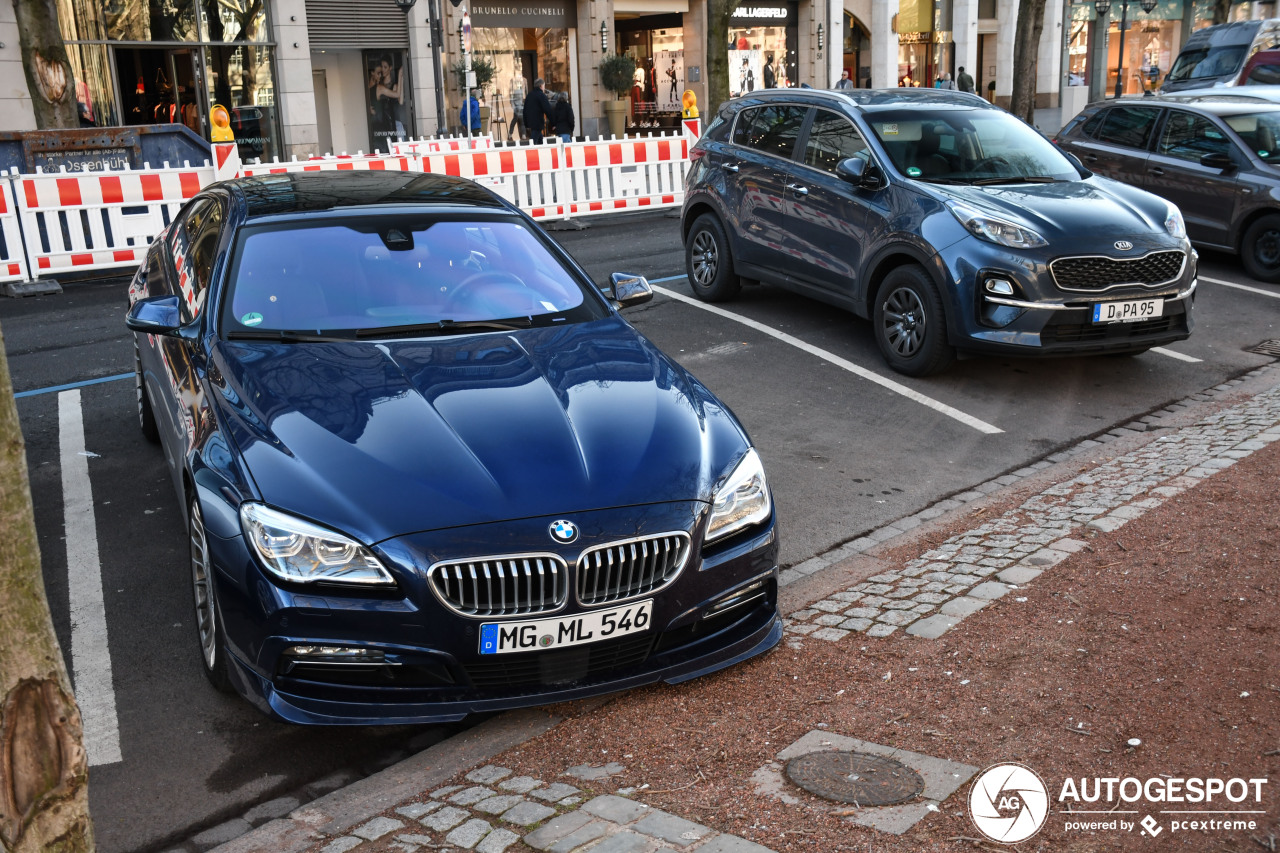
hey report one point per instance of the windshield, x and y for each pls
(370, 273)
(1206, 62)
(1259, 132)
(968, 146)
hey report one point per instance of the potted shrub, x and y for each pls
(484, 71)
(617, 75)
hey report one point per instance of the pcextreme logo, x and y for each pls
(1009, 803)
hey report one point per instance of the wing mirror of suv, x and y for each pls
(861, 173)
(158, 315)
(1217, 160)
(627, 289)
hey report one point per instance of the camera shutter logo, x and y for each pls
(1008, 803)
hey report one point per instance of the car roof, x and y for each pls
(309, 192)
(1224, 106)
(871, 100)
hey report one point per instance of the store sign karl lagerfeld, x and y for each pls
(529, 13)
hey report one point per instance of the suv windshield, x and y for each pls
(968, 146)
(1206, 62)
(1259, 132)
(365, 274)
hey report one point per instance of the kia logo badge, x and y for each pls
(1124, 245)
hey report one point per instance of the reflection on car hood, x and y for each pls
(385, 439)
(1070, 211)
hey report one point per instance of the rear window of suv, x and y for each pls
(1128, 126)
(773, 129)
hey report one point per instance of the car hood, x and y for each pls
(385, 439)
(1070, 212)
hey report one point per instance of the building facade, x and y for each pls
(302, 77)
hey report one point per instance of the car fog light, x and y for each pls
(998, 286)
(739, 597)
(353, 654)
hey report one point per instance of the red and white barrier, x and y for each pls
(102, 220)
(99, 220)
(13, 258)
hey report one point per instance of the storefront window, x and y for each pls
(518, 56)
(239, 78)
(1078, 44)
(925, 48)
(95, 97)
(1149, 50)
(241, 21)
(757, 34)
(150, 20)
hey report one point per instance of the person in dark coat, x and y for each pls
(563, 121)
(537, 111)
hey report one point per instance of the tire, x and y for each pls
(1260, 249)
(146, 415)
(708, 261)
(213, 652)
(910, 324)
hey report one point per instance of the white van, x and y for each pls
(1216, 56)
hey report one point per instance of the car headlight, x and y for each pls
(742, 499)
(995, 230)
(302, 552)
(1174, 224)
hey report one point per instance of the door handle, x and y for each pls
(797, 189)
(1157, 171)
(730, 167)
(1092, 158)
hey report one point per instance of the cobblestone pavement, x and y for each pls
(935, 591)
(498, 810)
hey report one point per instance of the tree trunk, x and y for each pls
(44, 795)
(1026, 47)
(50, 79)
(719, 16)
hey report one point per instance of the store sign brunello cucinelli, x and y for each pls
(562, 14)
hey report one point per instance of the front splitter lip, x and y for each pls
(317, 712)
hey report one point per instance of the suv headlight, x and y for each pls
(995, 230)
(302, 552)
(742, 499)
(1174, 224)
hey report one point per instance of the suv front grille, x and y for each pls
(1094, 273)
(502, 586)
(622, 570)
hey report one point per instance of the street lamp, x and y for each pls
(1103, 7)
(604, 37)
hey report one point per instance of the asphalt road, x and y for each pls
(845, 455)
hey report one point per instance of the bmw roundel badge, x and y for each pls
(564, 531)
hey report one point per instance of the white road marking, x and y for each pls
(90, 656)
(1179, 356)
(1272, 293)
(844, 364)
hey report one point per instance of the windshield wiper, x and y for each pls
(445, 327)
(286, 336)
(1025, 179)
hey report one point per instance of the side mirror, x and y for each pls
(628, 289)
(156, 315)
(1217, 160)
(859, 172)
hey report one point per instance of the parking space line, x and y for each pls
(70, 385)
(90, 657)
(844, 364)
(1179, 356)
(1272, 293)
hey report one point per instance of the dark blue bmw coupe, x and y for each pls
(427, 468)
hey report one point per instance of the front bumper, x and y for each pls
(428, 667)
(1039, 319)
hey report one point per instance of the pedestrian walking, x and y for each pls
(964, 81)
(537, 112)
(563, 121)
(844, 82)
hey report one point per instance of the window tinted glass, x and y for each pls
(832, 138)
(1206, 62)
(371, 273)
(772, 129)
(1264, 75)
(1094, 125)
(1188, 137)
(193, 242)
(967, 146)
(1259, 131)
(1128, 126)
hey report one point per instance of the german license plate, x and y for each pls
(498, 638)
(1127, 312)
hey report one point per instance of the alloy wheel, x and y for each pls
(905, 323)
(706, 258)
(201, 584)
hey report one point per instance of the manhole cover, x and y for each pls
(855, 777)
(1266, 348)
